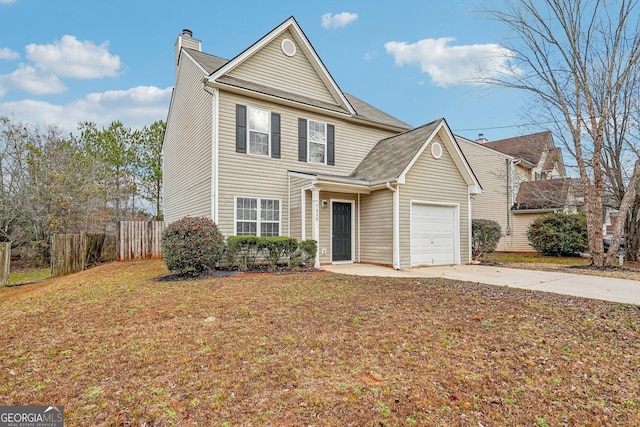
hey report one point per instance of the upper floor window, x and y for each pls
(316, 142)
(257, 131)
(258, 128)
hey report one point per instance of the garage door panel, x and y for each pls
(432, 235)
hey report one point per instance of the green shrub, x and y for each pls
(309, 248)
(247, 252)
(242, 252)
(304, 254)
(485, 235)
(192, 246)
(276, 247)
(559, 234)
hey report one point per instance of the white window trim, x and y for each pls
(258, 222)
(249, 108)
(309, 142)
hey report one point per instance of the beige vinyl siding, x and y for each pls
(376, 216)
(494, 203)
(438, 181)
(257, 176)
(295, 206)
(295, 74)
(518, 241)
(187, 147)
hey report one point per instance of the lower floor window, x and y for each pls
(257, 217)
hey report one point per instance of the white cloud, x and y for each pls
(136, 107)
(31, 80)
(6, 53)
(70, 57)
(7, 1)
(453, 65)
(338, 20)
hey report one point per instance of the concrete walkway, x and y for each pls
(596, 287)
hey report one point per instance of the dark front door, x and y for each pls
(341, 226)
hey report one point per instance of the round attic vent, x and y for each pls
(288, 47)
(436, 150)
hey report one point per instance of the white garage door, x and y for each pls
(433, 233)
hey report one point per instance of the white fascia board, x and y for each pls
(302, 175)
(301, 38)
(465, 170)
(425, 144)
(461, 158)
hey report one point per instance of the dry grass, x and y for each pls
(118, 347)
(574, 265)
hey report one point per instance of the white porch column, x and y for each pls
(315, 207)
(396, 225)
(396, 228)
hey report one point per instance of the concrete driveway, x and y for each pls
(603, 288)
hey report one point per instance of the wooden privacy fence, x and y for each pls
(140, 240)
(71, 253)
(5, 262)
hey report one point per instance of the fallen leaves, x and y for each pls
(118, 347)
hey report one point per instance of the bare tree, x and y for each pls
(621, 152)
(575, 57)
(14, 137)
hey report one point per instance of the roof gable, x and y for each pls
(390, 156)
(265, 63)
(393, 157)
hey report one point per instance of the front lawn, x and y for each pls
(117, 346)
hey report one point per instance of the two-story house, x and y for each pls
(267, 144)
(522, 177)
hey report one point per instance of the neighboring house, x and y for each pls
(267, 144)
(522, 178)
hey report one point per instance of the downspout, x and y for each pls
(359, 253)
(289, 206)
(509, 164)
(215, 104)
(396, 225)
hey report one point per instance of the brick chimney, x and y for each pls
(186, 40)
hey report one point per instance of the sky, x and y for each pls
(66, 62)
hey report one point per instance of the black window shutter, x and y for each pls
(275, 135)
(241, 128)
(331, 145)
(302, 140)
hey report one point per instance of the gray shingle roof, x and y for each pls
(369, 112)
(389, 158)
(210, 63)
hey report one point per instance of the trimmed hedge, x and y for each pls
(192, 246)
(559, 234)
(246, 252)
(485, 235)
